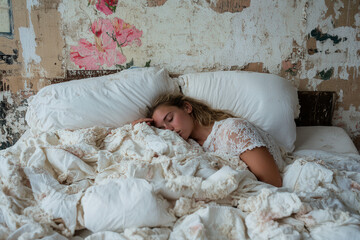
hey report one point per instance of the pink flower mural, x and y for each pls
(94, 56)
(110, 36)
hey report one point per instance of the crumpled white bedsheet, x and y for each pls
(49, 182)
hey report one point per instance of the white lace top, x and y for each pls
(236, 135)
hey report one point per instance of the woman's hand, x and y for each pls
(148, 121)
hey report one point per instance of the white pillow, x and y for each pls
(266, 100)
(124, 203)
(107, 101)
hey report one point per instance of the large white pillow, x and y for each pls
(124, 203)
(108, 101)
(266, 100)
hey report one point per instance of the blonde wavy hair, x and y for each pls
(202, 113)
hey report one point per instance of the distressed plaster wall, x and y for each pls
(314, 44)
(28, 62)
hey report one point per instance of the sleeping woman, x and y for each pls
(218, 131)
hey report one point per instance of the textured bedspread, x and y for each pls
(147, 183)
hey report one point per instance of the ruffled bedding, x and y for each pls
(146, 183)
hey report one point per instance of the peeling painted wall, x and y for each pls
(315, 44)
(28, 62)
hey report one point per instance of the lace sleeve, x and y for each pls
(235, 136)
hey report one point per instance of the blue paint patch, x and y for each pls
(325, 74)
(8, 58)
(319, 36)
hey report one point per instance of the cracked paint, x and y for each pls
(340, 95)
(12, 117)
(232, 6)
(155, 3)
(343, 117)
(178, 38)
(329, 46)
(337, 8)
(311, 46)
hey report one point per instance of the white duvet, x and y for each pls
(147, 183)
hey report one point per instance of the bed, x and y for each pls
(82, 172)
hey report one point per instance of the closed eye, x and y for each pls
(169, 117)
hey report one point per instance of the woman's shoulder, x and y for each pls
(235, 124)
(234, 121)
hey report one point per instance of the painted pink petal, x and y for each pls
(103, 28)
(85, 55)
(133, 35)
(105, 51)
(126, 33)
(113, 57)
(101, 6)
(96, 28)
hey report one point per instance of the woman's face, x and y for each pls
(175, 119)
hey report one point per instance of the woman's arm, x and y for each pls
(262, 164)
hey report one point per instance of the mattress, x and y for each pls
(324, 138)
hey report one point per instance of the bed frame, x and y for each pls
(317, 108)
